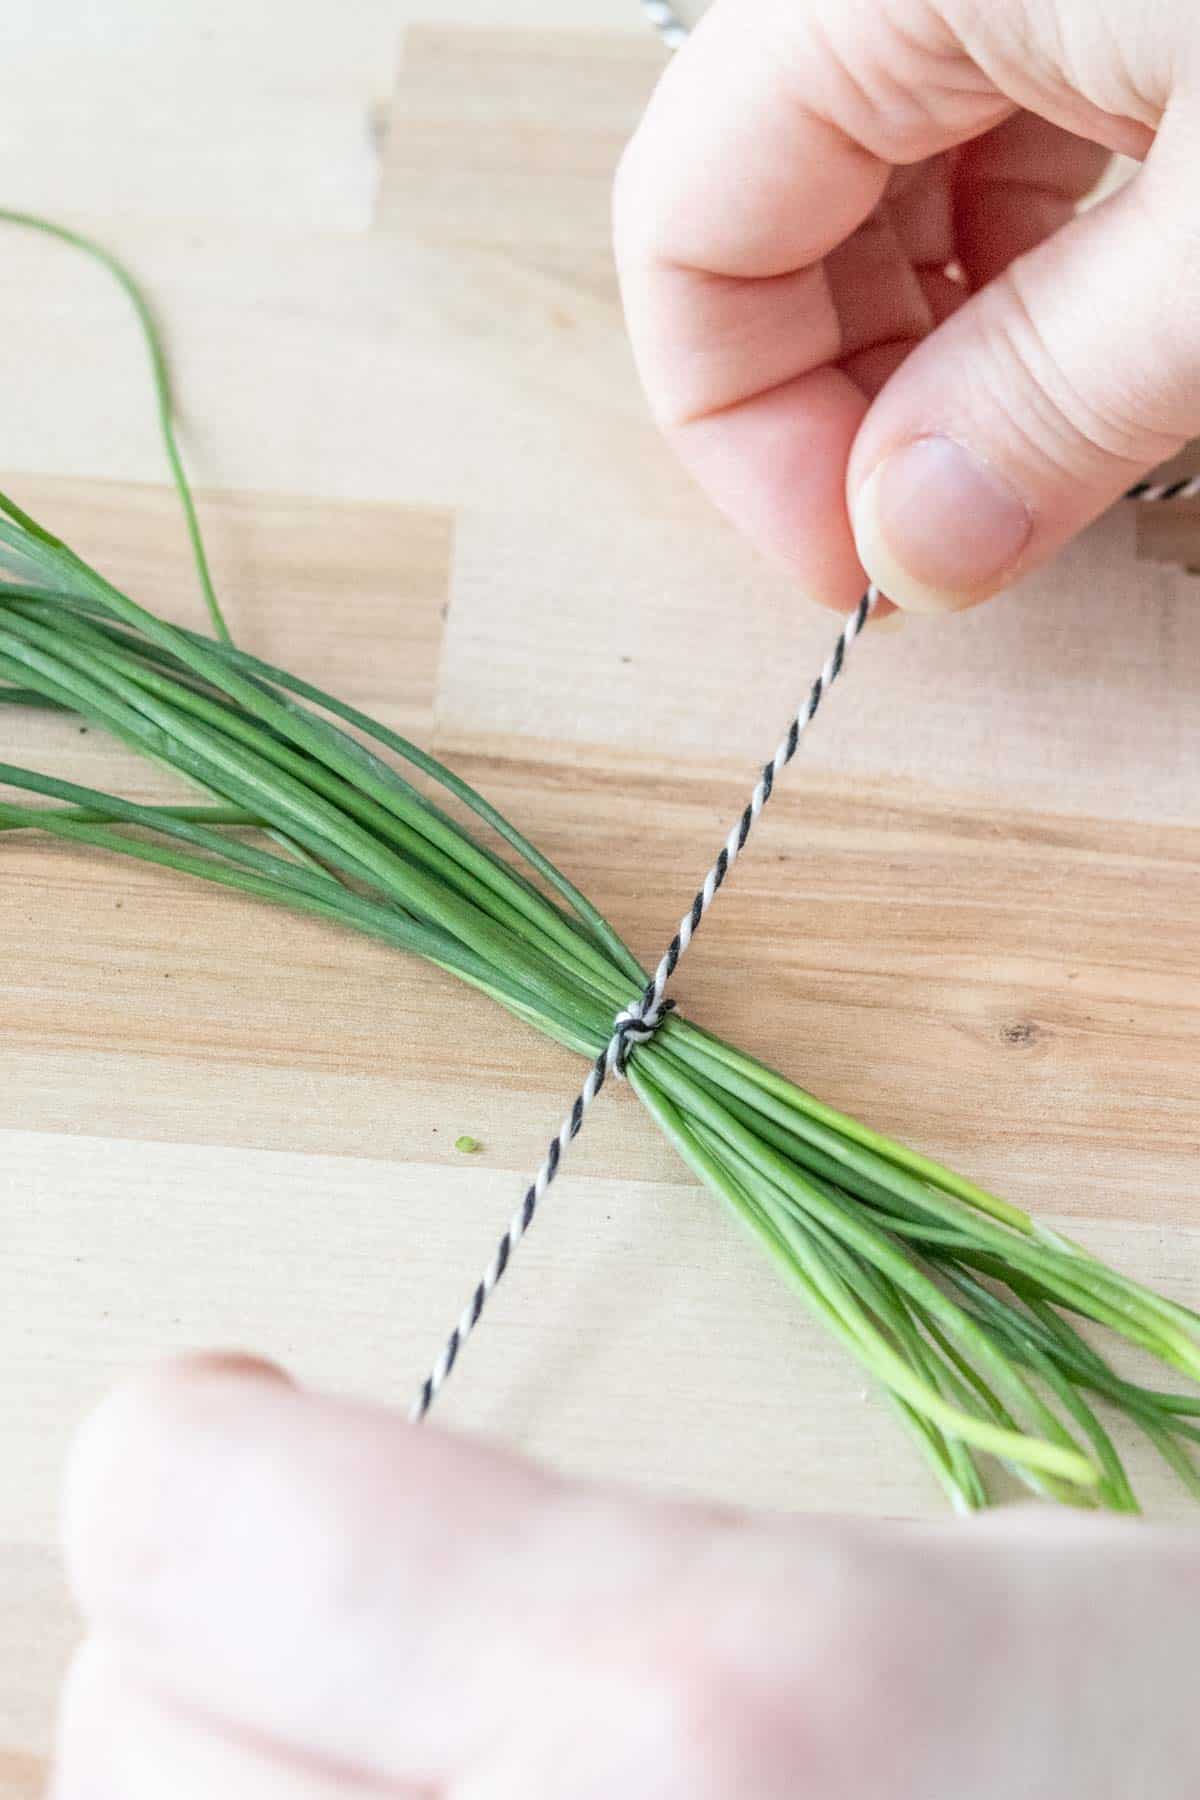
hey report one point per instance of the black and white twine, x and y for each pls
(1187, 489)
(638, 1023)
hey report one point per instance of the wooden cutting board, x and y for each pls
(971, 914)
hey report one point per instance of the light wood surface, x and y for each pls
(971, 914)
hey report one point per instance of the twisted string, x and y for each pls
(638, 1023)
(1154, 491)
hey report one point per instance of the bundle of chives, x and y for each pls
(960, 1305)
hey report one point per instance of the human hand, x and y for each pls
(291, 1598)
(785, 218)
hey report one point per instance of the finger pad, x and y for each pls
(776, 467)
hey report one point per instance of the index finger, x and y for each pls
(748, 191)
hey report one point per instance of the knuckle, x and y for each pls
(899, 81)
(1074, 412)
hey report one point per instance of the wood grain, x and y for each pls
(429, 482)
(508, 140)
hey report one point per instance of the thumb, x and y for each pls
(1042, 398)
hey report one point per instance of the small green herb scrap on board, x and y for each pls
(468, 1145)
(964, 1310)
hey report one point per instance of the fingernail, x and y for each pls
(937, 528)
(226, 1362)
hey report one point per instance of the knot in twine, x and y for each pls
(636, 1025)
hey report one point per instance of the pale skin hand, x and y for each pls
(785, 217)
(292, 1598)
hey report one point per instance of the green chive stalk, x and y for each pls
(962, 1308)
